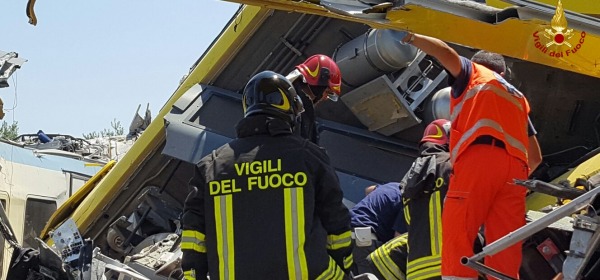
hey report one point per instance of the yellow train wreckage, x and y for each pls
(127, 223)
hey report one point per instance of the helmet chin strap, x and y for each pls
(308, 92)
(316, 97)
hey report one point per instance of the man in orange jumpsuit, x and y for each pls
(492, 142)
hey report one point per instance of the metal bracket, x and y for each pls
(414, 82)
(584, 242)
(585, 223)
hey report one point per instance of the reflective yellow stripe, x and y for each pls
(333, 272)
(194, 234)
(435, 222)
(339, 274)
(193, 246)
(189, 275)
(420, 263)
(376, 259)
(329, 272)
(426, 273)
(407, 212)
(500, 92)
(348, 261)
(386, 266)
(224, 227)
(397, 241)
(193, 240)
(512, 141)
(343, 240)
(294, 233)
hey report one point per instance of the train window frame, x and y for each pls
(27, 241)
(73, 177)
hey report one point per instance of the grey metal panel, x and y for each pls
(187, 98)
(353, 186)
(380, 107)
(221, 116)
(191, 144)
(366, 158)
(186, 138)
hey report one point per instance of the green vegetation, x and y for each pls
(9, 131)
(115, 130)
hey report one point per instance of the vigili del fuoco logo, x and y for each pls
(557, 41)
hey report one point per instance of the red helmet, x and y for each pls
(437, 132)
(321, 70)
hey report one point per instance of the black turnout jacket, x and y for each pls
(267, 205)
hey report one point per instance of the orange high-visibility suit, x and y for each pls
(488, 145)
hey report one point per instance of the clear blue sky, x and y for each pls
(90, 62)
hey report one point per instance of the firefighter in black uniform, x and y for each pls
(417, 255)
(316, 79)
(267, 205)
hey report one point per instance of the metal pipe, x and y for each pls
(162, 189)
(535, 226)
(485, 269)
(261, 65)
(306, 36)
(137, 227)
(320, 26)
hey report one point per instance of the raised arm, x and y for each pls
(437, 48)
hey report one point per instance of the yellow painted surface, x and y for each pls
(497, 4)
(591, 7)
(313, 9)
(91, 207)
(525, 40)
